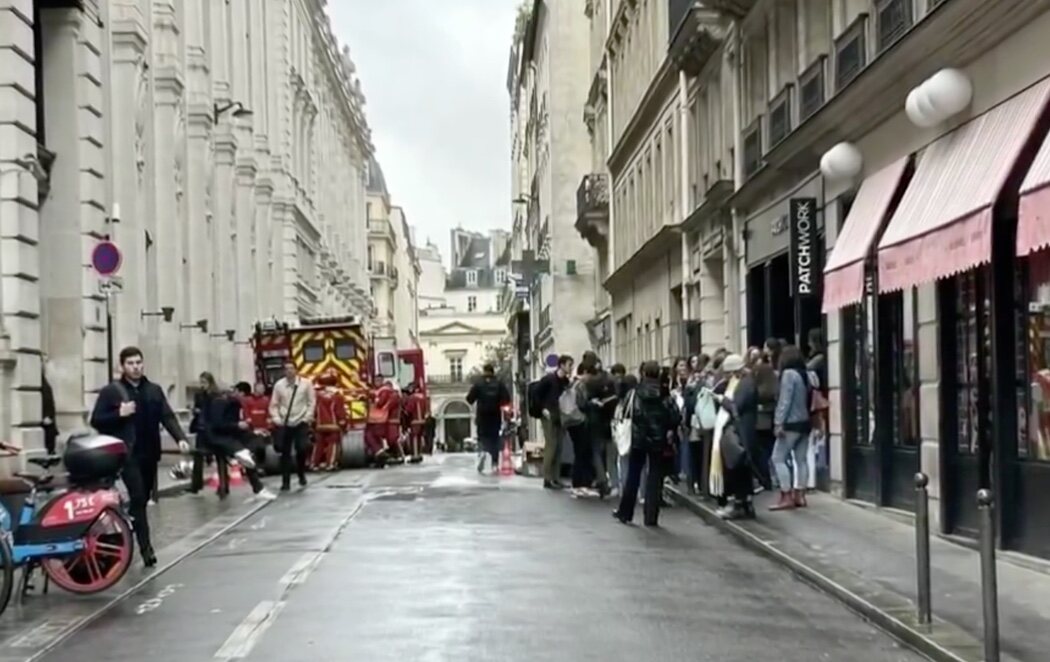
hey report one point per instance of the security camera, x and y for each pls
(168, 312)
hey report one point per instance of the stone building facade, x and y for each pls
(222, 146)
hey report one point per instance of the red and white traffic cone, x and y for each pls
(236, 475)
(506, 460)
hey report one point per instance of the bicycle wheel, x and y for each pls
(7, 571)
(109, 549)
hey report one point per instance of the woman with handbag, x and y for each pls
(732, 468)
(792, 426)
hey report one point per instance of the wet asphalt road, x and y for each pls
(435, 563)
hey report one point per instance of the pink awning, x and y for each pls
(943, 225)
(1033, 216)
(844, 273)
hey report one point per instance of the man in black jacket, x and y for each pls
(488, 395)
(133, 409)
(548, 391)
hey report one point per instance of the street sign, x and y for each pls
(106, 258)
(551, 361)
(111, 285)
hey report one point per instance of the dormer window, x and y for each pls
(472, 278)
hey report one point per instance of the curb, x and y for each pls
(941, 642)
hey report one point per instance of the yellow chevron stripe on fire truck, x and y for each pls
(349, 371)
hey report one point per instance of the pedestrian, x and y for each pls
(48, 411)
(734, 441)
(601, 407)
(624, 388)
(547, 394)
(200, 429)
(573, 405)
(767, 388)
(292, 408)
(488, 395)
(221, 422)
(654, 421)
(133, 409)
(792, 425)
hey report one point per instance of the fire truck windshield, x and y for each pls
(407, 373)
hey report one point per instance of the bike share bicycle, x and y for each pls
(80, 537)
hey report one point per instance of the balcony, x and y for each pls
(695, 31)
(381, 228)
(448, 380)
(378, 269)
(592, 209)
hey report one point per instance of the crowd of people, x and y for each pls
(729, 425)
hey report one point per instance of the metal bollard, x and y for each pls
(989, 583)
(922, 548)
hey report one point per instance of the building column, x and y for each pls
(224, 313)
(19, 270)
(73, 217)
(246, 282)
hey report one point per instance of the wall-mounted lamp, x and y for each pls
(199, 324)
(228, 334)
(236, 106)
(946, 93)
(843, 161)
(167, 312)
(114, 214)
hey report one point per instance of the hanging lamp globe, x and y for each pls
(843, 161)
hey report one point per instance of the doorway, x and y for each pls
(770, 306)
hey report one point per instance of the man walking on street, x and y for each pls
(488, 395)
(548, 391)
(132, 409)
(292, 413)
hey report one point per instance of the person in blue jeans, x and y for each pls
(791, 425)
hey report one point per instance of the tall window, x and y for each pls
(472, 278)
(1033, 343)
(455, 368)
(904, 366)
(472, 304)
(501, 276)
(972, 360)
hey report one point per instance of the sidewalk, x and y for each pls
(867, 560)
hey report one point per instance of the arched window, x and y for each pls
(457, 409)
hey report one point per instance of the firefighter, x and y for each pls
(381, 399)
(330, 422)
(415, 416)
(255, 406)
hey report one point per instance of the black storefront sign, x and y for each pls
(807, 264)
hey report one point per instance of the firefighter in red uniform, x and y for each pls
(255, 409)
(381, 400)
(330, 422)
(416, 410)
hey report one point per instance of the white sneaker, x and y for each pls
(151, 502)
(266, 494)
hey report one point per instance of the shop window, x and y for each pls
(900, 314)
(973, 356)
(1034, 358)
(859, 322)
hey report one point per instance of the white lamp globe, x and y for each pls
(912, 109)
(950, 91)
(843, 161)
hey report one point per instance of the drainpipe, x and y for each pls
(734, 243)
(684, 204)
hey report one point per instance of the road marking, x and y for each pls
(248, 633)
(43, 633)
(261, 524)
(235, 543)
(298, 573)
(155, 602)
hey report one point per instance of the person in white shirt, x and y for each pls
(292, 407)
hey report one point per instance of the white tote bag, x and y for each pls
(622, 425)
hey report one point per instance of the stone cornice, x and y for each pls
(225, 148)
(168, 85)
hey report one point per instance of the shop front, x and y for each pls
(957, 226)
(784, 251)
(880, 386)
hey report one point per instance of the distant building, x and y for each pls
(460, 325)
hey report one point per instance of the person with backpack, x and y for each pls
(545, 398)
(133, 409)
(654, 420)
(792, 426)
(572, 407)
(488, 395)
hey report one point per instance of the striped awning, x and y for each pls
(943, 225)
(1033, 216)
(844, 273)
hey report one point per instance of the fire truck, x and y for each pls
(316, 345)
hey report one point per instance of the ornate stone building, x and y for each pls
(222, 146)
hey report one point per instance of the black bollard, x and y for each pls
(922, 548)
(989, 582)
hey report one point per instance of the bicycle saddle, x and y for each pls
(45, 462)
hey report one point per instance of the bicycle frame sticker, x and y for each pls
(79, 507)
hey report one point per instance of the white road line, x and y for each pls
(298, 573)
(248, 633)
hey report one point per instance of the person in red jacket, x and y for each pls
(330, 422)
(380, 401)
(255, 407)
(417, 407)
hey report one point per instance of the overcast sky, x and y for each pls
(434, 73)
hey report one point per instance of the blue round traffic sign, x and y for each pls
(552, 361)
(106, 258)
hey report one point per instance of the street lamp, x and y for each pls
(199, 324)
(228, 334)
(236, 106)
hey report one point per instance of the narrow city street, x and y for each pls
(437, 563)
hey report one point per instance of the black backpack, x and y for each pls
(535, 406)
